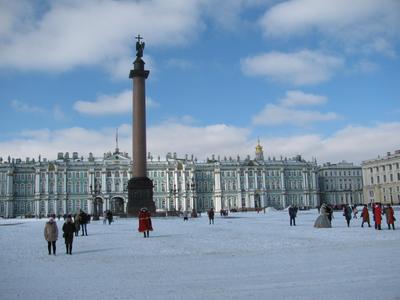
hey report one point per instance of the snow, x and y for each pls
(270, 209)
(245, 255)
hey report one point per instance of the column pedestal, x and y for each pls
(140, 194)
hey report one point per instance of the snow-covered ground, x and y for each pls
(243, 256)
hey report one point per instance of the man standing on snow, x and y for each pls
(210, 213)
(292, 215)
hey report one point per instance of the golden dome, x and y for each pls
(259, 148)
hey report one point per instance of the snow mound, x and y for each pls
(270, 209)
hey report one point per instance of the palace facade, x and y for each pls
(71, 183)
(341, 183)
(382, 179)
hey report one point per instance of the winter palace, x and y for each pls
(70, 183)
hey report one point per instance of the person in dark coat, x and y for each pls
(210, 214)
(77, 224)
(68, 229)
(365, 216)
(329, 212)
(83, 220)
(292, 215)
(51, 235)
(347, 211)
(109, 217)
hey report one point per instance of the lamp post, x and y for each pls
(95, 191)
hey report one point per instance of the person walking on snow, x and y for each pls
(145, 222)
(210, 214)
(51, 235)
(292, 215)
(83, 220)
(389, 212)
(365, 216)
(355, 212)
(68, 229)
(347, 214)
(378, 216)
(185, 215)
(77, 224)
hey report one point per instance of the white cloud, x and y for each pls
(299, 68)
(295, 98)
(110, 104)
(167, 137)
(94, 32)
(25, 107)
(352, 143)
(349, 22)
(277, 115)
(287, 111)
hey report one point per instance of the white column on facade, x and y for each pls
(218, 193)
(55, 191)
(184, 191)
(113, 182)
(176, 195)
(283, 187)
(10, 184)
(263, 185)
(167, 188)
(9, 209)
(64, 186)
(103, 181)
(46, 187)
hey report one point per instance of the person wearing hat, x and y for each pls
(145, 222)
(51, 235)
(68, 229)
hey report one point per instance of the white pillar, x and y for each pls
(217, 193)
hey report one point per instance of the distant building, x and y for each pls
(67, 184)
(382, 179)
(340, 183)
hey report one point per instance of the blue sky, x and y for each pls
(310, 77)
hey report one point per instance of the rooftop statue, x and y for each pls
(139, 46)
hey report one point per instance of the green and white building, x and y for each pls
(70, 183)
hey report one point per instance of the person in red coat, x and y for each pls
(145, 222)
(389, 216)
(365, 216)
(378, 216)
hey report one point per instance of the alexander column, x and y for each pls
(140, 187)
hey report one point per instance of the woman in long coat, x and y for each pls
(51, 235)
(347, 214)
(145, 222)
(69, 229)
(365, 216)
(378, 216)
(389, 212)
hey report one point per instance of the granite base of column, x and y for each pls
(140, 194)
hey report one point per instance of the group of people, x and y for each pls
(70, 228)
(324, 220)
(108, 216)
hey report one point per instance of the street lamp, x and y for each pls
(95, 191)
